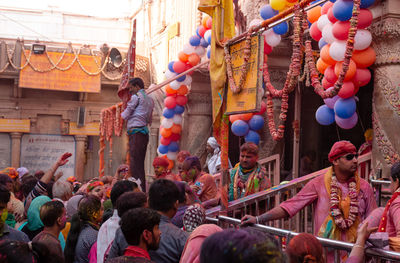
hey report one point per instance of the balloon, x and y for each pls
(209, 23)
(200, 50)
(201, 31)
(181, 100)
(364, 18)
(170, 102)
(173, 147)
(350, 72)
(325, 8)
(171, 66)
(271, 38)
(240, 128)
(207, 36)
(364, 58)
(315, 33)
(183, 56)
(366, 3)
(362, 39)
(362, 77)
(209, 52)
(321, 43)
(182, 78)
(322, 22)
(343, 10)
(267, 12)
(330, 75)
(267, 48)
(187, 81)
(256, 122)
(172, 155)
(331, 17)
(176, 128)
(321, 66)
(345, 108)
(183, 90)
(179, 66)
(165, 141)
(188, 49)
(194, 59)
(255, 22)
(165, 133)
(170, 164)
(278, 4)
(325, 55)
(330, 102)
(233, 118)
(340, 30)
(337, 50)
(314, 14)
(163, 149)
(179, 109)
(203, 43)
(326, 84)
(347, 90)
(347, 123)
(175, 137)
(177, 119)
(175, 85)
(168, 113)
(204, 21)
(327, 34)
(324, 115)
(169, 74)
(194, 41)
(281, 28)
(170, 91)
(253, 137)
(263, 108)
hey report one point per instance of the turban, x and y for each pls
(182, 155)
(213, 142)
(71, 179)
(94, 184)
(160, 161)
(22, 171)
(341, 148)
(11, 172)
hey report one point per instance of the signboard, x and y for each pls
(40, 152)
(249, 98)
(5, 150)
(73, 79)
(15, 125)
(92, 128)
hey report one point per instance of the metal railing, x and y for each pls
(338, 246)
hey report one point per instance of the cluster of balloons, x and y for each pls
(176, 91)
(247, 124)
(330, 27)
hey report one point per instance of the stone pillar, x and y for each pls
(15, 149)
(80, 156)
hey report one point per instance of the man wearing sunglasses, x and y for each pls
(341, 198)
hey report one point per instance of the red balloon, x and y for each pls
(315, 33)
(364, 18)
(326, 84)
(331, 17)
(170, 102)
(188, 66)
(330, 75)
(179, 66)
(181, 100)
(209, 23)
(267, 48)
(175, 137)
(340, 30)
(263, 109)
(325, 7)
(347, 90)
(194, 59)
(356, 89)
(233, 118)
(165, 141)
(362, 77)
(202, 30)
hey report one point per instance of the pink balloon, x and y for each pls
(179, 66)
(170, 102)
(340, 30)
(331, 17)
(330, 75)
(267, 48)
(263, 109)
(362, 77)
(315, 33)
(364, 18)
(347, 90)
(330, 102)
(326, 84)
(325, 7)
(181, 100)
(347, 123)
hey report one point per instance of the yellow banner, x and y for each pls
(249, 98)
(73, 78)
(92, 128)
(15, 125)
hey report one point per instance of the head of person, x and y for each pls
(180, 158)
(182, 192)
(6, 181)
(33, 214)
(239, 245)
(343, 156)
(191, 168)
(123, 171)
(395, 177)
(53, 214)
(22, 171)
(160, 166)
(62, 190)
(248, 155)
(305, 248)
(131, 200)
(120, 188)
(135, 84)
(25, 252)
(4, 199)
(212, 144)
(96, 188)
(11, 172)
(72, 206)
(28, 183)
(141, 226)
(107, 180)
(39, 174)
(90, 209)
(193, 217)
(164, 196)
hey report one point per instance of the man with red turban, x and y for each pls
(341, 198)
(161, 170)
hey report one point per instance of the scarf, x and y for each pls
(252, 180)
(383, 222)
(134, 251)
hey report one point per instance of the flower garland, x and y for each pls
(345, 66)
(340, 221)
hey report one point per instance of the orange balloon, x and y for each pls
(176, 128)
(165, 132)
(314, 14)
(246, 116)
(194, 59)
(325, 55)
(170, 90)
(183, 90)
(204, 21)
(233, 118)
(321, 65)
(291, 1)
(364, 58)
(183, 57)
(350, 72)
(170, 164)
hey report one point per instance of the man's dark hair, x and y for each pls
(135, 221)
(137, 82)
(5, 179)
(12, 251)
(4, 195)
(182, 193)
(130, 200)
(163, 195)
(249, 147)
(28, 183)
(192, 161)
(395, 171)
(50, 212)
(119, 188)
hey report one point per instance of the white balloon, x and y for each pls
(169, 74)
(167, 123)
(255, 22)
(337, 50)
(199, 50)
(322, 22)
(327, 34)
(175, 85)
(187, 81)
(177, 119)
(273, 39)
(362, 39)
(207, 35)
(172, 155)
(188, 49)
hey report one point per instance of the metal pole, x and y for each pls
(296, 137)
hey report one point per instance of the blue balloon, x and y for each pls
(281, 28)
(194, 41)
(163, 149)
(345, 108)
(203, 42)
(208, 53)
(180, 79)
(321, 43)
(267, 12)
(240, 128)
(171, 66)
(366, 3)
(197, 32)
(325, 115)
(173, 147)
(333, 1)
(256, 122)
(179, 109)
(253, 137)
(168, 113)
(209, 39)
(342, 10)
